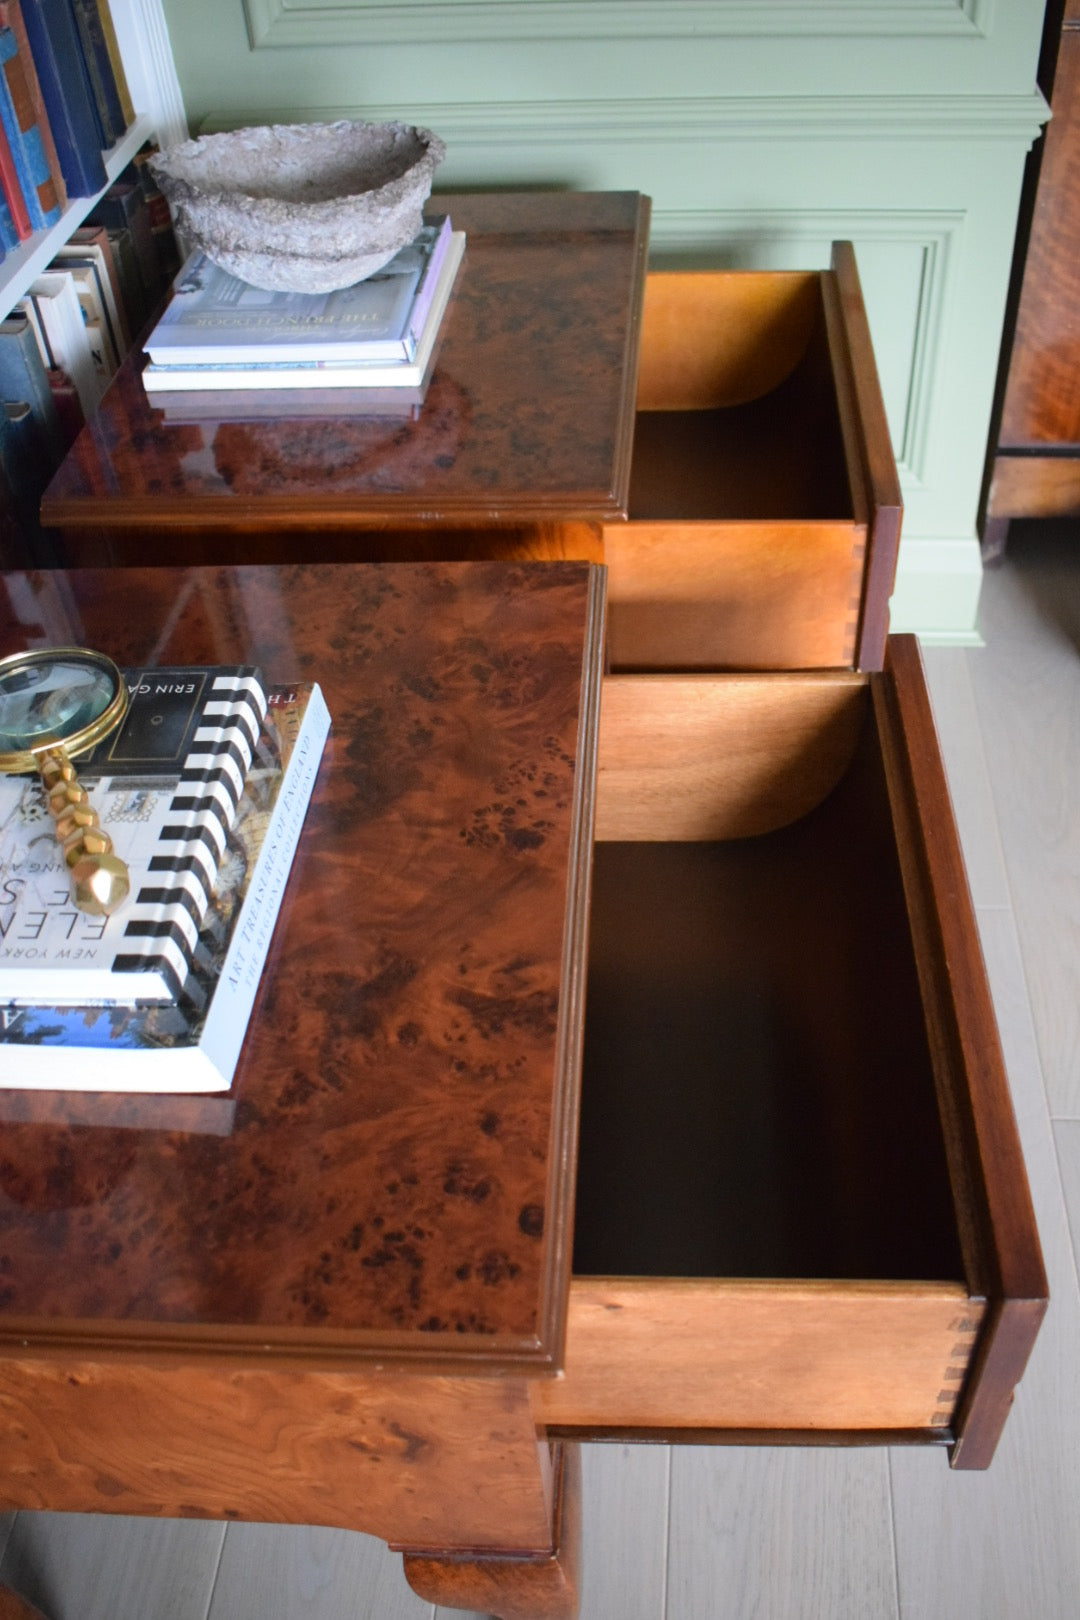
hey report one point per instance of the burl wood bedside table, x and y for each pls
(397, 1291)
(522, 448)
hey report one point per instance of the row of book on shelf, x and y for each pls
(63, 341)
(64, 102)
(204, 790)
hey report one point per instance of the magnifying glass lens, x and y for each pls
(50, 700)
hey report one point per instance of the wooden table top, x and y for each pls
(529, 415)
(397, 1177)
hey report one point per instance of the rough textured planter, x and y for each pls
(301, 207)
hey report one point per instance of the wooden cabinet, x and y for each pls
(1035, 463)
(626, 1064)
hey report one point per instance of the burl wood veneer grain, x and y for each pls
(529, 414)
(540, 1588)
(421, 1462)
(393, 1183)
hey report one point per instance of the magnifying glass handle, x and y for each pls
(99, 878)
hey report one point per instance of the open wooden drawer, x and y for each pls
(764, 512)
(802, 1210)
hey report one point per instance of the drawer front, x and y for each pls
(801, 1205)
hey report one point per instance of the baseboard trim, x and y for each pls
(937, 590)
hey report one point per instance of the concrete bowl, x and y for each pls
(301, 207)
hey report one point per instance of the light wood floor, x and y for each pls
(764, 1534)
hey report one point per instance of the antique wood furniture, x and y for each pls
(391, 1293)
(416, 1264)
(331, 1310)
(756, 473)
(1035, 462)
(526, 429)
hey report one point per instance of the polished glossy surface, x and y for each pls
(409, 1078)
(529, 413)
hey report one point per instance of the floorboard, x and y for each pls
(1027, 692)
(1067, 1138)
(1002, 1545)
(283, 1572)
(100, 1567)
(780, 1534)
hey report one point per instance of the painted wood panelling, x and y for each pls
(276, 23)
(762, 130)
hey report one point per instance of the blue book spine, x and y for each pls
(95, 52)
(8, 235)
(24, 137)
(23, 377)
(64, 90)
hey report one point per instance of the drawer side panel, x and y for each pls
(659, 1353)
(701, 595)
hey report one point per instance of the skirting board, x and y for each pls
(937, 591)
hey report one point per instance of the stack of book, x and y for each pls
(376, 339)
(204, 790)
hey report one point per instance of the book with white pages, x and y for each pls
(386, 374)
(214, 316)
(166, 786)
(192, 1046)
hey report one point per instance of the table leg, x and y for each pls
(995, 536)
(542, 1586)
(13, 1607)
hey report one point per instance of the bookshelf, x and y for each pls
(155, 90)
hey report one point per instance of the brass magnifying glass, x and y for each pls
(56, 704)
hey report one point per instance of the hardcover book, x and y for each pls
(95, 50)
(166, 787)
(61, 73)
(309, 373)
(80, 257)
(19, 117)
(59, 312)
(92, 241)
(23, 376)
(215, 318)
(86, 278)
(10, 184)
(9, 236)
(11, 16)
(193, 1046)
(123, 208)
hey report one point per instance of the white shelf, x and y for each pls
(23, 263)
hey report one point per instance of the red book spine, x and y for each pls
(9, 183)
(11, 17)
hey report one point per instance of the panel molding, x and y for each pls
(733, 239)
(757, 118)
(273, 24)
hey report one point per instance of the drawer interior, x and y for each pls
(737, 414)
(753, 516)
(801, 1201)
(758, 1098)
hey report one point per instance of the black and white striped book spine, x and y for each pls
(161, 923)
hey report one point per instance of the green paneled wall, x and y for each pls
(761, 129)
